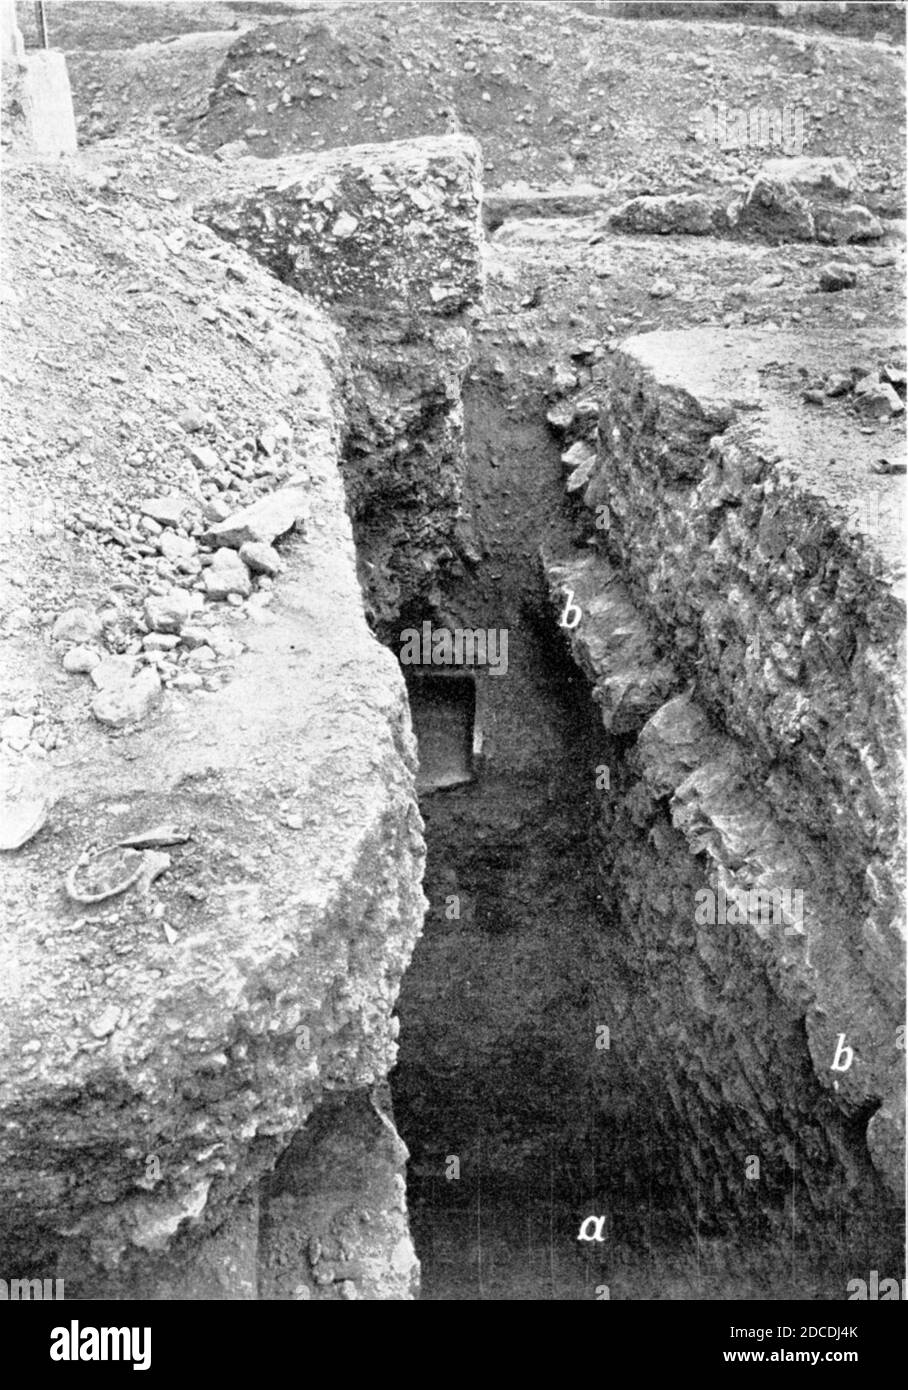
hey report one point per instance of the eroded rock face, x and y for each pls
(390, 237)
(338, 1195)
(395, 225)
(806, 199)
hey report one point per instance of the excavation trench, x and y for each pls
(560, 1058)
(577, 1052)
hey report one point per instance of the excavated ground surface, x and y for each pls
(498, 1065)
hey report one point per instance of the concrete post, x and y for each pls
(12, 49)
(40, 82)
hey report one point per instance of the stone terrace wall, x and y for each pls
(742, 628)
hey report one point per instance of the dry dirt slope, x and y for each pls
(556, 93)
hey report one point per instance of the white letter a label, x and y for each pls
(597, 1223)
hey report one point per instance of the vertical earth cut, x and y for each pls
(742, 618)
(193, 1068)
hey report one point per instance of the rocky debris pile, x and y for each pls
(175, 563)
(394, 225)
(872, 393)
(135, 459)
(794, 199)
(806, 199)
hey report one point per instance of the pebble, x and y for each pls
(114, 671)
(215, 510)
(227, 575)
(344, 226)
(194, 637)
(16, 731)
(261, 558)
(128, 703)
(877, 398)
(835, 275)
(271, 516)
(168, 612)
(78, 661)
(187, 680)
(192, 420)
(201, 656)
(177, 549)
(20, 820)
(166, 511)
(105, 1023)
(77, 625)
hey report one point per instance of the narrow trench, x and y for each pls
(495, 1089)
(529, 1089)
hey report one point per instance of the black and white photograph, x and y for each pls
(452, 602)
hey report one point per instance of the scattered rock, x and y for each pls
(215, 510)
(129, 703)
(846, 224)
(16, 731)
(579, 453)
(828, 178)
(77, 625)
(20, 820)
(192, 420)
(563, 379)
(262, 521)
(835, 275)
(344, 226)
(188, 680)
(168, 612)
(561, 415)
(194, 637)
(114, 671)
(166, 511)
(79, 661)
(228, 575)
(776, 211)
(661, 288)
(177, 549)
(876, 398)
(105, 1023)
(261, 558)
(202, 656)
